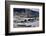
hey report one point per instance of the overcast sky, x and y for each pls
(35, 9)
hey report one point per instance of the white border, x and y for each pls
(25, 29)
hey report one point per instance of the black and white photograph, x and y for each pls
(23, 17)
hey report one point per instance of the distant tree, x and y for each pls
(22, 21)
(29, 19)
(25, 20)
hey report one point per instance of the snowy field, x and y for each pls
(35, 23)
(20, 22)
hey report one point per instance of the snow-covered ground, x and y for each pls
(31, 24)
